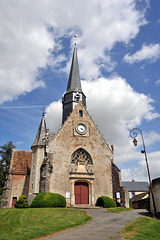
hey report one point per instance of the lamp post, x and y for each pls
(133, 134)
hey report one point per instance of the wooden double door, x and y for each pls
(81, 191)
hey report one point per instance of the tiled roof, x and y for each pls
(136, 186)
(21, 161)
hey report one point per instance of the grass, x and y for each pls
(142, 228)
(119, 210)
(23, 224)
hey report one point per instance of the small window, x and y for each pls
(32, 185)
(80, 113)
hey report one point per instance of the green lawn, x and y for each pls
(119, 209)
(23, 224)
(142, 229)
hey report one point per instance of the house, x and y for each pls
(17, 182)
(75, 162)
(134, 188)
(140, 201)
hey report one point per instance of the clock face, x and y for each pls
(81, 128)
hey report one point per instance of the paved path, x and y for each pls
(104, 226)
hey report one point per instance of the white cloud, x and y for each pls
(110, 102)
(31, 37)
(157, 82)
(54, 116)
(140, 172)
(147, 53)
(151, 138)
(25, 40)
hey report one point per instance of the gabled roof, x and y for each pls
(74, 82)
(80, 106)
(21, 162)
(136, 186)
(139, 197)
(39, 140)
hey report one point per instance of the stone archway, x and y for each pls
(81, 191)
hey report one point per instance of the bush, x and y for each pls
(105, 202)
(22, 202)
(46, 200)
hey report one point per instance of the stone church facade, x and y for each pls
(76, 162)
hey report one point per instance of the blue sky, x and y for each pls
(118, 45)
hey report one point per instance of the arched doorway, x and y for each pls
(81, 191)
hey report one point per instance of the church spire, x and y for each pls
(39, 140)
(74, 82)
(74, 92)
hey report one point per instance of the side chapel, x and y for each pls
(76, 162)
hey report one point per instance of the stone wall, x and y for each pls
(116, 180)
(16, 185)
(66, 142)
(37, 160)
(124, 195)
(156, 191)
(6, 193)
(45, 172)
(17, 182)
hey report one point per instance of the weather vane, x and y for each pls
(75, 40)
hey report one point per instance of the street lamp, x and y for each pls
(133, 134)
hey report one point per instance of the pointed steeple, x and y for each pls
(73, 94)
(39, 140)
(74, 82)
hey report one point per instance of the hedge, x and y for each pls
(47, 200)
(22, 202)
(105, 202)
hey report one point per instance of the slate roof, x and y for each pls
(136, 186)
(74, 82)
(39, 140)
(21, 162)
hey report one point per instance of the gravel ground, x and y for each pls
(104, 226)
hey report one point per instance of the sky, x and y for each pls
(118, 45)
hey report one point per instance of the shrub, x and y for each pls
(46, 200)
(22, 202)
(105, 202)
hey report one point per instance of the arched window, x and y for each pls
(82, 157)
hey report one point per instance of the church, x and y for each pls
(76, 162)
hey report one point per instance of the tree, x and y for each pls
(5, 159)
